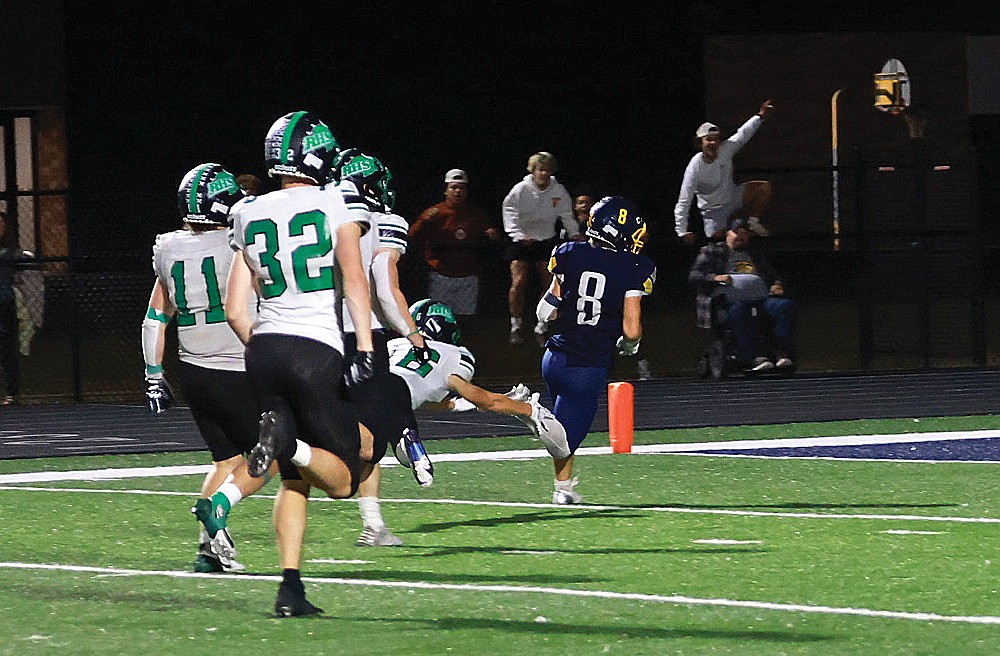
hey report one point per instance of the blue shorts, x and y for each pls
(575, 391)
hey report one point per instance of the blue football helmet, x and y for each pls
(616, 224)
(370, 176)
(435, 320)
(207, 193)
(299, 145)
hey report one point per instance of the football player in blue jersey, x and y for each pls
(595, 303)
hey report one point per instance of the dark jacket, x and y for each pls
(713, 260)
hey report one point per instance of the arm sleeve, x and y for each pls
(386, 297)
(153, 327)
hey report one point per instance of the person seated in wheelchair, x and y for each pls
(744, 287)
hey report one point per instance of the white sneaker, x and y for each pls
(565, 495)
(546, 428)
(383, 537)
(784, 363)
(755, 227)
(761, 365)
(515, 337)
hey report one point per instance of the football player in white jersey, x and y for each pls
(364, 182)
(191, 265)
(448, 372)
(295, 246)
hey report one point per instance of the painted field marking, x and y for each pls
(898, 531)
(528, 454)
(598, 594)
(574, 508)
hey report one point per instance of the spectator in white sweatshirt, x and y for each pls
(709, 179)
(534, 213)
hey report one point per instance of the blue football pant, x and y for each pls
(575, 391)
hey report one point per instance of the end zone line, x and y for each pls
(528, 454)
(525, 504)
(599, 594)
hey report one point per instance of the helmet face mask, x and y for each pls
(206, 195)
(369, 175)
(299, 145)
(436, 321)
(616, 224)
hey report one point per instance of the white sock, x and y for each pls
(371, 512)
(541, 327)
(231, 492)
(565, 485)
(515, 323)
(303, 454)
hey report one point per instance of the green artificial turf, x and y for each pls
(781, 531)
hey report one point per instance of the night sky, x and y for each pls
(612, 91)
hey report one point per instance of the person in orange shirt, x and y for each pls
(451, 236)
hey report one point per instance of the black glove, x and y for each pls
(159, 396)
(362, 368)
(422, 353)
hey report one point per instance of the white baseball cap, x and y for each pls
(456, 175)
(706, 129)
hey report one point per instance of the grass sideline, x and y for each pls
(798, 534)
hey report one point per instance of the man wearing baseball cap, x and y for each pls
(752, 288)
(452, 236)
(708, 179)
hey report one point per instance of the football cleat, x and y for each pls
(212, 515)
(544, 425)
(382, 537)
(411, 453)
(565, 495)
(270, 441)
(208, 560)
(291, 602)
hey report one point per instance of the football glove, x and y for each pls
(627, 347)
(519, 392)
(422, 353)
(362, 368)
(159, 396)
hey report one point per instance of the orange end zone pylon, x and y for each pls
(621, 416)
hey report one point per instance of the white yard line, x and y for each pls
(598, 594)
(528, 454)
(574, 508)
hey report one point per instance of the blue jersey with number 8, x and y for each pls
(594, 283)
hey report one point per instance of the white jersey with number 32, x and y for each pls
(289, 237)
